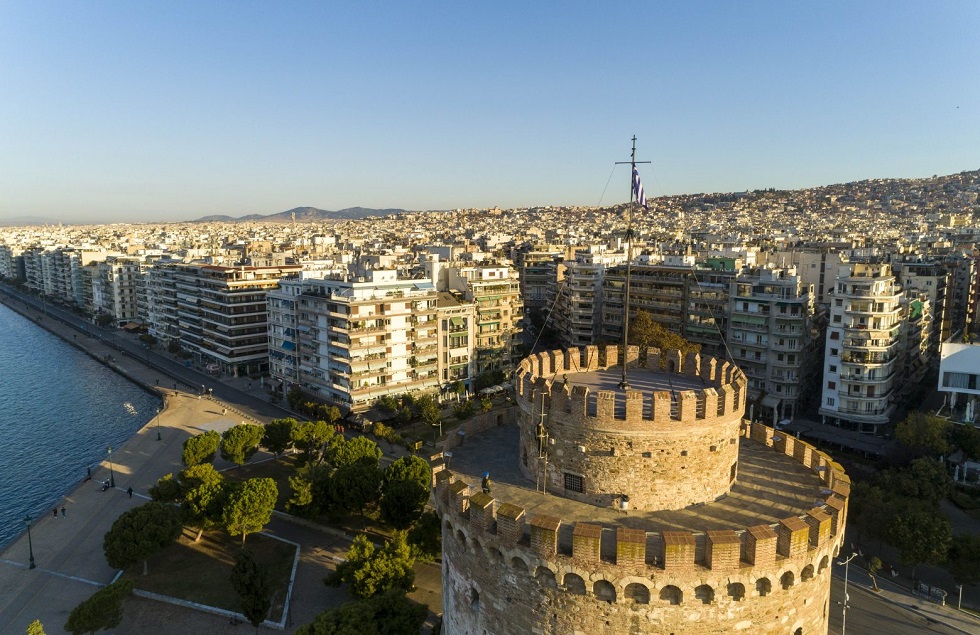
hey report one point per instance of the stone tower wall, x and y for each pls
(505, 573)
(663, 450)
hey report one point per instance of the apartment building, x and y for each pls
(931, 279)
(222, 316)
(112, 286)
(959, 380)
(773, 338)
(495, 291)
(11, 262)
(538, 272)
(689, 300)
(351, 341)
(863, 355)
(578, 307)
(457, 340)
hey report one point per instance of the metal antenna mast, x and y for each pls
(624, 385)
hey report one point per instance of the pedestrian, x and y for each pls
(88, 473)
(63, 511)
(486, 483)
(130, 492)
(54, 512)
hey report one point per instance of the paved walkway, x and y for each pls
(68, 551)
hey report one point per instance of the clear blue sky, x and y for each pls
(172, 110)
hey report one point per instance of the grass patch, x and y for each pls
(201, 572)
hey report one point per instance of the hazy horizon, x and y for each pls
(137, 113)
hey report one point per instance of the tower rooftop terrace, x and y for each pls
(770, 486)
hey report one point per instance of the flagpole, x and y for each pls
(624, 384)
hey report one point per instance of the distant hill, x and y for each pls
(24, 221)
(304, 214)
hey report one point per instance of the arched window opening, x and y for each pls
(574, 584)
(637, 593)
(671, 595)
(704, 593)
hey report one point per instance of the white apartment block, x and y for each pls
(959, 379)
(863, 355)
(351, 341)
(457, 340)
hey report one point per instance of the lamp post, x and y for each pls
(158, 423)
(112, 476)
(843, 623)
(30, 544)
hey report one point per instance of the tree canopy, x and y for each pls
(141, 532)
(35, 628)
(203, 495)
(249, 506)
(920, 534)
(101, 611)
(923, 432)
(646, 333)
(353, 487)
(278, 435)
(389, 613)
(240, 442)
(311, 437)
(402, 503)
(252, 586)
(357, 450)
(409, 468)
(964, 559)
(166, 490)
(201, 448)
(371, 571)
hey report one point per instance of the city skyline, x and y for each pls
(123, 112)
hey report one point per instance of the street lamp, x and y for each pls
(158, 423)
(30, 544)
(843, 623)
(112, 476)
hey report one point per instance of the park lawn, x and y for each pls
(201, 572)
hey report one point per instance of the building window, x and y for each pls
(573, 482)
(833, 352)
(830, 401)
(835, 335)
(832, 385)
(833, 368)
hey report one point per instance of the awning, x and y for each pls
(770, 401)
(749, 319)
(289, 346)
(456, 321)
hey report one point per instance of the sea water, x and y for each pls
(59, 411)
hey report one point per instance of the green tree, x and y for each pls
(919, 533)
(295, 397)
(101, 611)
(389, 613)
(328, 413)
(874, 566)
(964, 559)
(924, 433)
(203, 495)
(645, 333)
(402, 503)
(431, 412)
(357, 450)
(201, 448)
(354, 487)
(425, 538)
(386, 403)
(966, 438)
(240, 442)
(370, 571)
(166, 490)
(486, 404)
(278, 436)
(924, 479)
(35, 628)
(409, 468)
(311, 490)
(253, 588)
(311, 437)
(139, 533)
(249, 506)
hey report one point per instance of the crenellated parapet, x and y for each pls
(551, 376)
(668, 441)
(628, 565)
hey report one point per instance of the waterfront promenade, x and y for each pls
(68, 550)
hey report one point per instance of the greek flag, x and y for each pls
(641, 198)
